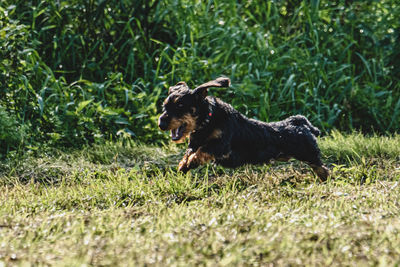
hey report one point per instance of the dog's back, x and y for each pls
(254, 142)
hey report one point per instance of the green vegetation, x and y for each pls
(123, 203)
(75, 72)
(11, 133)
(87, 178)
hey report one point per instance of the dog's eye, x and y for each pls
(180, 105)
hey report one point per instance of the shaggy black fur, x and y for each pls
(218, 132)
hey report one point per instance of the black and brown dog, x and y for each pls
(217, 132)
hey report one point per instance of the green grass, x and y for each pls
(123, 203)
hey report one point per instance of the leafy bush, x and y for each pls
(11, 133)
(80, 71)
(69, 113)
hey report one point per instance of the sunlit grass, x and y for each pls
(122, 203)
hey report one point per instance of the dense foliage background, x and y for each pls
(73, 72)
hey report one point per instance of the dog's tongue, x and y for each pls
(176, 134)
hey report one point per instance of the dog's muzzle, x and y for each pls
(163, 122)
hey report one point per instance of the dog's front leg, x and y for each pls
(215, 148)
(192, 159)
(199, 158)
(183, 164)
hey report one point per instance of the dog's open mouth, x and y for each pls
(177, 134)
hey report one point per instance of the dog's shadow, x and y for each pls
(288, 174)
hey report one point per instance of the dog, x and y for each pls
(217, 132)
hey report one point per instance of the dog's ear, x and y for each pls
(178, 86)
(219, 82)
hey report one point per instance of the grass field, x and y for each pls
(123, 203)
(75, 73)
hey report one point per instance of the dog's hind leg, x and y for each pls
(314, 161)
(310, 153)
(321, 171)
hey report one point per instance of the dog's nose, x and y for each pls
(162, 123)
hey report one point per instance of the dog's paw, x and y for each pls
(182, 166)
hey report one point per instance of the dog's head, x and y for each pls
(184, 108)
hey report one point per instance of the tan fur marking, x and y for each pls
(283, 159)
(226, 155)
(321, 171)
(217, 133)
(174, 124)
(190, 122)
(183, 162)
(199, 158)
